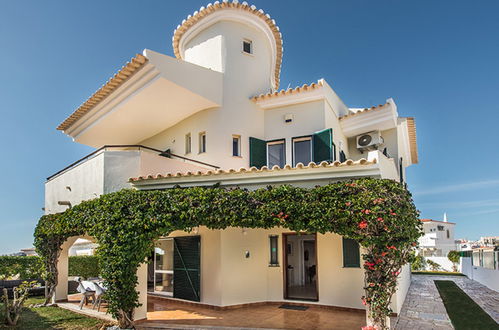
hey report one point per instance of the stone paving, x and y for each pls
(423, 308)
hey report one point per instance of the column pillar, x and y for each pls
(61, 290)
(140, 313)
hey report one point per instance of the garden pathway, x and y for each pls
(423, 308)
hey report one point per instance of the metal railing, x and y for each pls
(166, 153)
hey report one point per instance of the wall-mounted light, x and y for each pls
(247, 254)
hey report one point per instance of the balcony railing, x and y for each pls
(165, 153)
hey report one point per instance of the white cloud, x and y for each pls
(440, 189)
(460, 204)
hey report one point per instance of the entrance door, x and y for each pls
(300, 262)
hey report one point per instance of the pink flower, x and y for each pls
(380, 219)
(363, 224)
(348, 203)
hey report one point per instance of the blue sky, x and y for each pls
(437, 59)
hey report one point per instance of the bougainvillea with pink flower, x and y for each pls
(377, 213)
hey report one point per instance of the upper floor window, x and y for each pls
(440, 228)
(276, 153)
(236, 145)
(247, 46)
(188, 143)
(302, 150)
(202, 142)
(448, 234)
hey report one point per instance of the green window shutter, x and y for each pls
(351, 253)
(258, 152)
(323, 146)
(187, 268)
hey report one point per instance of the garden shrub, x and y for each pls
(377, 213)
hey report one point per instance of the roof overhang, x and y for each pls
(159, 94)
(382, 117)
(306, 176)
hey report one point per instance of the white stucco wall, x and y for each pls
(228, 278)
(106, 172)
(86, 181)
(403, 284)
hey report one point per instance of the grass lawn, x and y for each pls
(50, 318)
(463, 312)
(437, 273)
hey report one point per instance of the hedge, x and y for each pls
(26, 267)
(32, 267)
(84, 266)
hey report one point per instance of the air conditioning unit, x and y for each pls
(369, 141)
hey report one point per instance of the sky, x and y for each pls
(437, 59)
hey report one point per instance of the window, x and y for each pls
(440, 228)
(188, 143)
(276, 154)
(247, 46)
(202, 142)
(351, 253)
(448, 234)
(163, 267)
(236, 145)
(302, 150)
(274, 257)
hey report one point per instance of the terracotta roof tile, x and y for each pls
(411, 127)
(253, 169)
(112, 84)
(365, 110)
(289, 91)
(431, 220)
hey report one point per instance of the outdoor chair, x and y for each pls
(100, 293)
(86, 292)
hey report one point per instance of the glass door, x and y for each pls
(163, 267)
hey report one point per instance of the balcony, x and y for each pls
(107, 170)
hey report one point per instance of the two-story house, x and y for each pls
(214, 114)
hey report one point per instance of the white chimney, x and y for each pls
(445, 216)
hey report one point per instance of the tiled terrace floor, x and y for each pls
(168, 314)
(423, 308)
(165, 312)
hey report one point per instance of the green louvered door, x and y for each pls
(187, 268)
(323, 146)
(258, 152)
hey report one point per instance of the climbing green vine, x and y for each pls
(378, 213)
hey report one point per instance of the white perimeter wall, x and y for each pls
(487, 277)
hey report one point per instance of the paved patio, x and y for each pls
(424, 309)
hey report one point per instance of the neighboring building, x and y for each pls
(489, 241)
(29, 252)
(438, 238)
(214, 115)
(82, 247)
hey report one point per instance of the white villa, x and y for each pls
(438, 239)
(214, 114)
